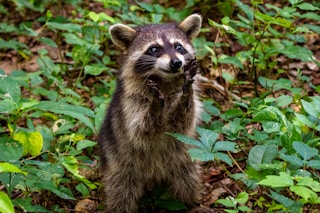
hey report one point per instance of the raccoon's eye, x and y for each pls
(179, 48)
(153, 50)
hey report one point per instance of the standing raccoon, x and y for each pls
(154, 95)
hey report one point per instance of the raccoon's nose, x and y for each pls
(175, 63)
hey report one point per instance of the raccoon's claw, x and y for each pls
(153, 86)
(191, 68)
(190, 71)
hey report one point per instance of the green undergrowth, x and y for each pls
(49, 117)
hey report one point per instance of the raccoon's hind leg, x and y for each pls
(122, 192)
(185, 182)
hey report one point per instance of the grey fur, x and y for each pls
(136, 154)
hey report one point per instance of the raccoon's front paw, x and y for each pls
(190, 71)
(153, 86)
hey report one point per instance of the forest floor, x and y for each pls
(215, 176)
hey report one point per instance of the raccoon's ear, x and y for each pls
(191, 25)
(122, 35)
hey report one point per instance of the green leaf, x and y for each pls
(9, 88)
(309, 182)
(78, 112)
(261, 154)
(242, 197)
(297, 52)
(246, 9)
(32, 141)
(294, 160)
(50, 186)
(27, 206)
(8, 167)
(295, 207)
(207, 137)
(187, 140)
(223, 157)
(6, 205)
(305, 120)
(284, 100)
(302, 191)
(225, 146)
(304, 150)
(311, 108)
(10, 150)
(48, 41)
(72, 165)
(201, 154)
(315, 164)
(283, 180)
(83, 189)
(85, 144)
(231, 60)
(69, 27)
(227, 202)
(307, 6)
(94, 69)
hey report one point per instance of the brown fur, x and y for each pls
(136, 154)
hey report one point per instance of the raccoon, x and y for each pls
(155, 94)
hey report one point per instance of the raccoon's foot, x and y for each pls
(153, 86)
(190, 71)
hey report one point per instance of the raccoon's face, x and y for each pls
(160, 50)
(165, 52)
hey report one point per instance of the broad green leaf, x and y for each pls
(261, 154)
(48, 41)
(85, 144)
(307, 6)
(227, 202)
(26, 205)
(295, 207)
(283, 180)
(207, 137)
(310, 108)
(305, 120)
(302, 191)
(297, 52)
(246, 9)
(271, 126)
(315, 164)
(294, 160)
(225, 146)
(309, 182)
(187, 140)
(6, 205)
(242, 197)
(94, 69)
(231, 60)
(32, 141)
(223, 157)
(78, 112)
(314, 28)
(9, 88)
(83, 189)
(201, 154)
(69, 27)
(7, 106)
(94, 16)
(8, 167)
(10, 150)
(304, 150)
(284, 100)
(50, 186)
